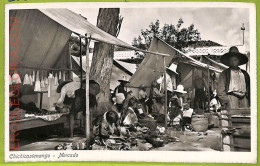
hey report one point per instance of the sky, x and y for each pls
(221, 25)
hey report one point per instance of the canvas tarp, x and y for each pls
(43, 43)
(153, 66)
(211, 62)
(81, 26)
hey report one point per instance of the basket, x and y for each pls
(199, 123)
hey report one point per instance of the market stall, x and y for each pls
(36, 65)
(153, 67)
(44, 54)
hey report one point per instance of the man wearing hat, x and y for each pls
(120, 93)
(121, 87)
(177, 106)
(234, 83)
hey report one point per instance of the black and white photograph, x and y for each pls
(112, 81)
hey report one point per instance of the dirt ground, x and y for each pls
(186, 141)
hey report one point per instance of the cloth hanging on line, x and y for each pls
(26, 80)
(64, 76)
(42, 82)
(46, 82)
(49, 84)
(30, 79)
(37, 87)
(59, 75)
(33, 76)
(16, 78)
(56, 82)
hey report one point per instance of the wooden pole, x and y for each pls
(80, 58)
(208, 89)
(165, 89)
(88, 119)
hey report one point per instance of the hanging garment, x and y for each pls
(42, 83)
(59, 75)
(37, 86)
(56, 82)
(50, 75)
(26, 80)
(46, 81)
(10, 80)
(30, 79)
(49, 88)
(49, 84)
(33, 76)
(16, 79)
(64, 76)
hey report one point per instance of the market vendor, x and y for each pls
(179, 109)
(234, 82)
(154, 97)
(120, 94)
(159, 112)
(142, 96)
(169, 85)
(215, 104)
(106, 125)
(74, 96)
(200, 93)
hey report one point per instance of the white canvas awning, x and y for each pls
(81, 26)
(153, 66)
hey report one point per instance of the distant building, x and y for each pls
(121, 70)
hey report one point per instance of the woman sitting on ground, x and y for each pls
(106, 125)
(129, 117)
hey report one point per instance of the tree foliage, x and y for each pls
(174, 35)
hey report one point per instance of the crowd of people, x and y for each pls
(233, 91)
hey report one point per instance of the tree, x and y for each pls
(171, 34)
(101, 68)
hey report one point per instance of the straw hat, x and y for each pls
(233, 51)
(58, 90)
(124, 81)
(180, 89)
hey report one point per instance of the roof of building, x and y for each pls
(219, 50)
(126, 67)
(119, 55)
(203, 43)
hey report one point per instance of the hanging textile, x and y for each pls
(42, 82)
(26, 80)
(49, 84)
(64, 76)
(60, 75)
(37, 86)
(30, 79)
(56, 83)
(46, 82)
(33, 76)
(16, 78)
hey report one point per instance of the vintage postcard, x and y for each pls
(152, 82)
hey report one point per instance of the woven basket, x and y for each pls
(199, 123)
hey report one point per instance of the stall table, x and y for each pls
(33, 122)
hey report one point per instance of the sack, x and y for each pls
(188, 113)
(120, 97)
